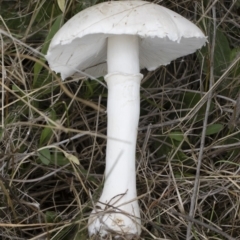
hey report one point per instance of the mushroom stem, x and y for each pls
(123, 54)
(117, 210)
(123, 116)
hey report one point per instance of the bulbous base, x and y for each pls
(118, 222)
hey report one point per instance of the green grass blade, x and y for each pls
(55, 27)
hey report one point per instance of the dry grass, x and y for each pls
(188, 148)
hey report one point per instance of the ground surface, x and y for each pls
(188, 147)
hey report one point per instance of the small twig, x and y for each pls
(66, 141)
(94, 140)
(3, 79)
(202, 144)
(206, 12)
(40, 178)
(164, 124)
(235, 119)
(212, 228)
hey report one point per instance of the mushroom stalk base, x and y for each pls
(117, 211)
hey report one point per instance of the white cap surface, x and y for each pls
(81, 44)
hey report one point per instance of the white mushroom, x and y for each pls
(116, 40)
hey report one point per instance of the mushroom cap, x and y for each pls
(81, 44)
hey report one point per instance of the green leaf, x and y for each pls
(238, 3)
(214, 128)
(55, 27)
(58, 159)
(222, 54)
(190, 100)
(18, 90)
(181, 156)
(45, 156)
(50, 216)
(71, 158)
(15, 88)
(178, 136)
(1, 133)
(47, 131)
(45, 135)
(236, 69)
